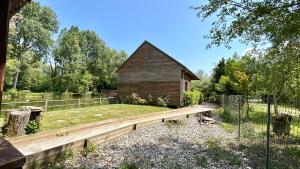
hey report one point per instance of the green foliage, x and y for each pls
(83, 62)
(128, 165)
(89, 149)
(76, 61)
(174, 123)
(31, 127)
(218, 153)
(192, 98)
(30, 40)
(204, 85)
(252, 21)
(15, 94)
(162, 101)
(62, 156)
(225, 85)
(201, 160)
(135, 99)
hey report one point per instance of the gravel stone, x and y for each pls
(158, 146)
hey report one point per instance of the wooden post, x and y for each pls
(46, 105)
(4, 26)
(10, 157)
(100, 101)
(78, 104)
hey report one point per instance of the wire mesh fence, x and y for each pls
(270, 126)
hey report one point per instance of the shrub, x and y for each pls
(135, 99)
(88, 149)
(191, 98)
(141, 101)
(162, 101)
(15, 94)
(150, 100)
(31, 127)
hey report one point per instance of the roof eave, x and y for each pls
(16, 6)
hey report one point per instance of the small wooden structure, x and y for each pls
(150, 71)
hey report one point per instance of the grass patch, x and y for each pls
(63, 156)
(174, 123)
(128, 165)
(215, 151)
(201, 160)
(89, 149)
(230, 128)
(66, 118)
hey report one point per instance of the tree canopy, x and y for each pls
(74, 60)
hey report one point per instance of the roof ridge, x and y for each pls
(168, 56)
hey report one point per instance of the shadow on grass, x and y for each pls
(280, 157)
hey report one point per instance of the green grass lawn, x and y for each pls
(66, 118)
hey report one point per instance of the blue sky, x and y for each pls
(168, 24)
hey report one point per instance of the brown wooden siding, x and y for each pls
(149, 71)
(155, 89)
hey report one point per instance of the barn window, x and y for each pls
(186, 86)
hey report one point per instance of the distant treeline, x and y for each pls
(42, 59)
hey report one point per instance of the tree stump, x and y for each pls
(282, 124)
(35, 113)
(17, 122)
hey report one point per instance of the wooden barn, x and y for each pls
(150, 71)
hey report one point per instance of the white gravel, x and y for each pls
(157, 146)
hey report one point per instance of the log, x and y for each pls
(207, 120)
(17, 122)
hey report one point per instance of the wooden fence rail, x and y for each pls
(49, 105)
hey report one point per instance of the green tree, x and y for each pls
(279, 73)
(252, 21)
(69, 60)
(83, 62)
(225, 85)
(31, 33)
(218, 71)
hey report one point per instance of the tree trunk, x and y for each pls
(17, 122)
(16, 79)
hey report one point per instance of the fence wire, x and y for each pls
(249, 117)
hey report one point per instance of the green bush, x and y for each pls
(31, 127)
(135, 99)
(15, 94)
(141, 101)
(131, 99)
(162, 101)
(192, 98)
(150, 100)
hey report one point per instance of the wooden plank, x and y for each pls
(10, 157)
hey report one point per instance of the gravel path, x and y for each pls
(161, 145)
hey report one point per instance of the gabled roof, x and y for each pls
(189, 72)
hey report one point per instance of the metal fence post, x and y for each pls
(46, 104)
(268, 134)
(239, 116)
